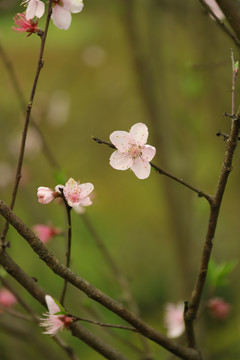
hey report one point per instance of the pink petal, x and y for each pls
(35, 8)
(139, 133)
(86, 189)
(120, 161)
(148, 152)
(85, 202)
(74, 6)
(52, 306)
(141, 168)
(121, 139)
(61, 17)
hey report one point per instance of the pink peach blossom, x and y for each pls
(219, 308)
(45, 232)
(62, 9)
(76, 194)
(45, 195)
(7, 298)
(173, 318)
(54, 323)
(132, 151)
(25, 25)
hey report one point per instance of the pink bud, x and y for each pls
(45, 233)
(7, 298)
(45, 195)
(219, 308)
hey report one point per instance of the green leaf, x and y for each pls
(62, 310)
(236, 65)
(217, 273)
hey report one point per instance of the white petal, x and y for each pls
(148, 152)
(35, 8)
(74, 6)
(52, 306)
(141, 168)
(139, 133)
(61, 17)
(121, 139)
(85, 189)
(120, 161)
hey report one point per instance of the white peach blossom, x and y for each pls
(132, 151)
(54, 323)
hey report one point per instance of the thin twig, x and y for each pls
(28, 113)
(166, 173)
(105, 324)
(69, 243)
(220, 23)
(90, 290)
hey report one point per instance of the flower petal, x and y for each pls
(120, 161)
(52, 306)
(74, 6)
(85, 202)
(148, 152)
(61, 17)
(121, 139)
(139, 133)
(35, 8)
(141, 168)
(85, 189)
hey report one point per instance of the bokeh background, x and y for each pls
(161, 62)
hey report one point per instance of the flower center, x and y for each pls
(135, 151)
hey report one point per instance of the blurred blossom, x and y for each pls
(173, 319)
(6, 174)
(93, 56)
(7, 298)
(34, 8)
(215, 8)
(54, 323)
(45, 232)
(62, 9)
(76, 194)
(25, 25)
(218, 308)
(33, 143)
(79, 209)
(45, 195)
(58, 108)
(132, 151)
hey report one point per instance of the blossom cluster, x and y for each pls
(61, 15)
(75, 194)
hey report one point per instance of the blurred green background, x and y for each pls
(163, 63)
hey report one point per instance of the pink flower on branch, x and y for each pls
(76, 194)
(45, 233)
(132, 151)
(173, 318)
(218, 308)
(54, 322)
(34, 8)
(62, 9)
(46, 195)
(25, 25)
(7, 298)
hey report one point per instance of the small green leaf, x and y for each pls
(62, 310)
(236, 66)
(217, 273)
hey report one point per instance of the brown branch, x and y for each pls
(220, 23)
(191, 312)
(27, 120)
(104, 324)
(90, 290)
(231, 10)
(166, 173)
(39, 294)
